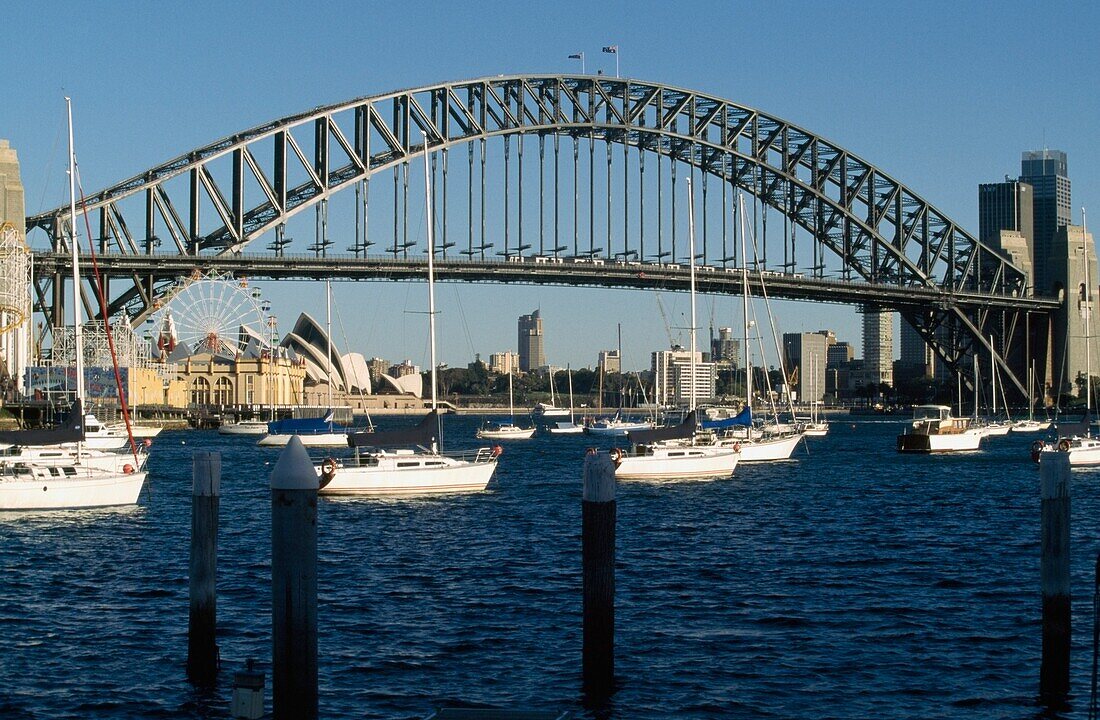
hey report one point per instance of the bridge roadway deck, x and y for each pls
(532, 270)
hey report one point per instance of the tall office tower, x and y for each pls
(806, 352)
(725, 349)
(1008, 205)
(1048, 173)
(878, 345)
(531, 356)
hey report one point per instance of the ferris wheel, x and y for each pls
(210, 313)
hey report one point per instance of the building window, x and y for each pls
(223, 391)
(200, 391)
(250, 389)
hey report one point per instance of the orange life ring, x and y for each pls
(497, 451)
(737, 447)
(127, 468)
(616, 455)
(1063, 445)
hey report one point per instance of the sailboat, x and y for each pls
(410, 462)
(677, 452)
(550, 409)
(313, 432)
(617, 425)
(571, 427)
(506, 429)
(764, 448)
(33, 485)
(1031, 424)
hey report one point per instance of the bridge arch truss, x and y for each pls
(866, 226)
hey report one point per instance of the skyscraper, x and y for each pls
(1047, 171)
(531, 355)
(1010, 206)
(806, 357)
(878, 345)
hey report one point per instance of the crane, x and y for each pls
(664, 319)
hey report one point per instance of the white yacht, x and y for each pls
(678, 452)
(40, 486)
(416, 466)
(616, 426)
(406, 462)
(505, 429)
(934, 430)
(140, 432)
(253, 426)
(673, 453)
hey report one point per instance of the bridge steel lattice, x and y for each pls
(212, 203)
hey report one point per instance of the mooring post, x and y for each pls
(294, 584)
(202, 646)
(598, 561)
(1054, 482)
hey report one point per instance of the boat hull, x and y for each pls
(952, 442)
(514, 434)
(83, 490)
(245, 428)
(617, 430)
(389, 480)
(688, 463)
(769, 450)
(309, 440)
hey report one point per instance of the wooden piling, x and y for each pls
(1054, 480)
(294, 584)
(202, 647)
(598, 562)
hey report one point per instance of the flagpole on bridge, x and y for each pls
(579, 56)
(613, 50)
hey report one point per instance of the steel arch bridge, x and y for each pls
(211, 204)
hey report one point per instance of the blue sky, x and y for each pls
(940, 95)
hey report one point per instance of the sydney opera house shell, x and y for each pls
(309, 343)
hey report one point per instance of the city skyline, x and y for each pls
(133, 116)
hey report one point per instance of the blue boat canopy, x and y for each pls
(305, 426)
(741, 419)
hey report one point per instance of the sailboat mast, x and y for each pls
(745, 300)
(77, 338)
(431, 277)
(691, 275)
(1088, 315)
(993, 373)
(328, 333)
(569, 376)
(622, 387)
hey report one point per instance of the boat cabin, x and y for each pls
(937, 420)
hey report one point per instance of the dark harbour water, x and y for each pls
(852, 583)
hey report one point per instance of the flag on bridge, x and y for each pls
(577, 56)
(611, 49)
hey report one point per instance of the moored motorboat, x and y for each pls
(1030, 426)
(934, 430)
(504, 430)
(246, 427)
